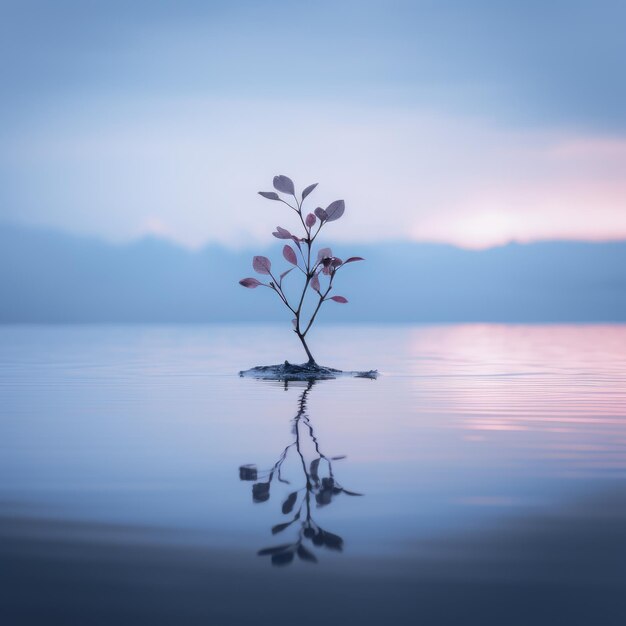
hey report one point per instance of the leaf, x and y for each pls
(282, 558)
(282, 233)
(334, 542)
(308, 190)
(285, 273)
(338, 458)
(324, 497)
(352, 259)
(280, 527)
(250, 283)
(335, 210)
(321, 214)
(270, 195)
(247, 472)
(260, 492)
(315, 464)
(262, 264)
(306, 555)
(315, 283)
(290, 255)
(318, 538)
(310, 220)
(340, 299)
(274, 549)
(336, 262)
(289, 502)
(324, 253)
(284, 184)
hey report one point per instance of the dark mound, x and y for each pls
(306, 371)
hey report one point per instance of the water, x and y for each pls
(491, 460)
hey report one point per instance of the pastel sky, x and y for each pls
(471, 121)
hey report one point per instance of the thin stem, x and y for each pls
(319, 304)
(278, 289)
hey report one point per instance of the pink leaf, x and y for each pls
(335, 210)
(308, 190)
(285, 274)
(262, 264)
(282, 233)
(290, 255)
(284, 184)
(315, 283)
(321, 214)
(339, 299)
(270, 195)
(353, 258)
(336, 262)
(250, 283)
(310, 220)
(326, 270)
(324, 253)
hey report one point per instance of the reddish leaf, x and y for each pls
(315, 283)
(270, 195)
(308, 190)
(326, 270)
(284, 184)
(310, 220)
(285, 274)
(336, 262)
(324, 253)
(290, 255)
(335, 210)
(339, 299)
(353, 258)
(282, 233)
(321, 214)
(250, 283)
(261, 264)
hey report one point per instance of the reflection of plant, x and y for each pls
(313, 267)
(320, 484)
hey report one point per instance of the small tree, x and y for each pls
(318, 270)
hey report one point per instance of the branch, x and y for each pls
(278, 289)
(319, 304)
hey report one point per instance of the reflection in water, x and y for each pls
(496, 483)
(318, 481)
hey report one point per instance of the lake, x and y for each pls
(481, 479)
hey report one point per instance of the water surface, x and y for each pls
(481, 479)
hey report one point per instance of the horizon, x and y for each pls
(47, 275)
(270, 243)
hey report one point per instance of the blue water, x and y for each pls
(490, 463)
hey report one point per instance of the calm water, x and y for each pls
(491, 460)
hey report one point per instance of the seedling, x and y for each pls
(318, 269)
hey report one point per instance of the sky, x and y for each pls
(471, 122)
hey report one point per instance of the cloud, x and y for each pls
(196, 164)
